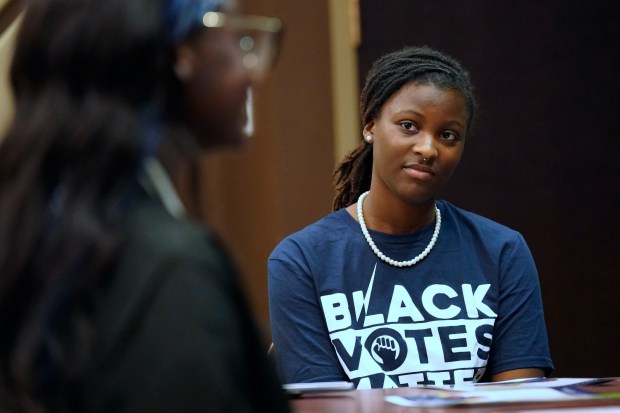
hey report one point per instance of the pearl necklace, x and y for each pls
(423, 254)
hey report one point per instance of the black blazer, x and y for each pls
(175, 333)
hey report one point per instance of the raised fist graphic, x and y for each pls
(387, 347)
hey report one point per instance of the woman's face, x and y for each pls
(214, 85)
(419, 136)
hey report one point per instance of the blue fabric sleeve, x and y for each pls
(303, 349)
(519, 337)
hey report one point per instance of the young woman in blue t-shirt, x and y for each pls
(396, 287)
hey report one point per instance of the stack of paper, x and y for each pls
(514, 391)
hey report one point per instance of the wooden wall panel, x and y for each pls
(7, 40)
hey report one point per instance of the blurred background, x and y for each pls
(544, 158)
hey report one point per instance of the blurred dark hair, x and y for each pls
(92, 82)
(387, 76)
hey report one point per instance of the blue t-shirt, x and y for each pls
(472, 307)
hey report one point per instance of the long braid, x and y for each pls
(388, 75)
(351, 176)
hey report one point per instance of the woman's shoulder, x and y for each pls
(157, 248)
(318, 237)
(158, 256)
(150, 229)
(173, 285)
(467, 220)
(330, 226)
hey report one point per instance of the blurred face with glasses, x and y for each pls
(217, 66)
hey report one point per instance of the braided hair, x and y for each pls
(421, 65)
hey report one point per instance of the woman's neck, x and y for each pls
(390, 214)
(183, 170)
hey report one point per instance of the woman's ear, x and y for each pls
(369, 128)
(184, 62)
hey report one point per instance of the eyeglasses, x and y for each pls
(259, 38)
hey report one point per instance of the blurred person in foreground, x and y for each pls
(113, 295)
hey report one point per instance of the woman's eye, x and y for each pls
(450, 136)
(408, 126)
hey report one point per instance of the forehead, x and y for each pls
(423, 96)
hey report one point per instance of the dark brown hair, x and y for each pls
(88, 75)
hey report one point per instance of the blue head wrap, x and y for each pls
(183, 16)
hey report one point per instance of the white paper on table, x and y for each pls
(514, 391)
(603, 409)
(451, 398)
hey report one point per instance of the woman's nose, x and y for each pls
(424, 146)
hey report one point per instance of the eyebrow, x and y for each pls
(410, 111)
(456, 122)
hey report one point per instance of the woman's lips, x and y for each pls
(419, 172)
